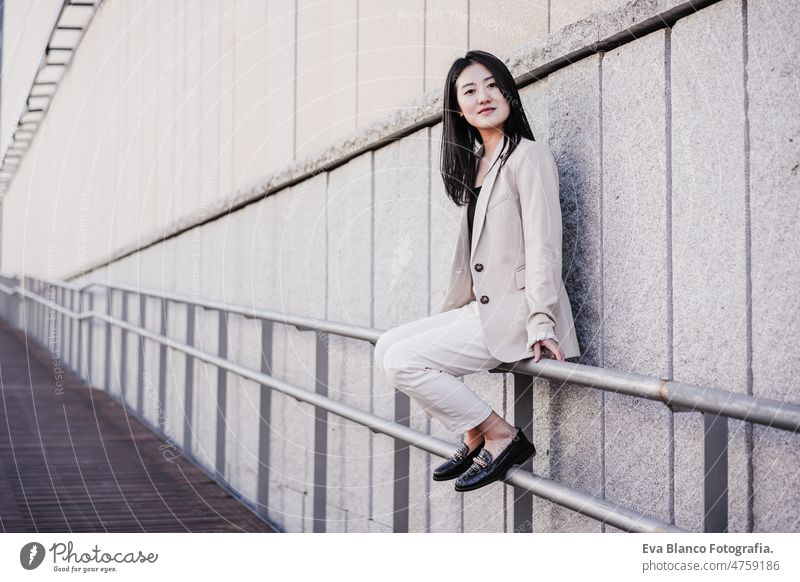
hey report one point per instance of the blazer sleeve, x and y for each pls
(537, 184)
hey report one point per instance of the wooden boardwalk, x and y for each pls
(72, 460)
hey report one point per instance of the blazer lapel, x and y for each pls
(485, 195)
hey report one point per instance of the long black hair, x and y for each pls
(459, 138)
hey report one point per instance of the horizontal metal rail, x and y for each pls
(676, 395)
(564, 495)
(679, 396)
(300, 322)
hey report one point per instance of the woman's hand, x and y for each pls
(551, 346)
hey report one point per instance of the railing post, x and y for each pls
(49, 314)
(80, 334)
(523, 418)
(27, 324)
(15, 307)
(63, 334)
(321, 435)
(715, 470)
(265, 419)
(123, 360)
(162, 370)
(222, 395)
(65, 349)
(402, 461)
(188, 389)
(41, 316)
(59, 328)
(72, 325)
(141, 372)
(45, 316)
(30, 310)
(52, 320)
(90, 342)
(107, 368)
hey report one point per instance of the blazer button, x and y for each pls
(479, 267)
(484, 299)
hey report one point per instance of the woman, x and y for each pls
(505, 299)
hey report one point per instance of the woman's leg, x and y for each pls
(424, 360)
(497, 433)
(396, 334)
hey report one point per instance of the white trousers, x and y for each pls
(425, 358)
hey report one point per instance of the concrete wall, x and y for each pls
(677, 154)
(168, 107)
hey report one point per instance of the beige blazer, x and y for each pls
(514, 263)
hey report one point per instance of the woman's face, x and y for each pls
(480, 99)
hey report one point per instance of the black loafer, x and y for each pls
(485, 469)
(457, 463)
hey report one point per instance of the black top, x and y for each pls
(473, 200)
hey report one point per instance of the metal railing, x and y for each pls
(717, 405)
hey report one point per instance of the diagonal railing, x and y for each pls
(716, 405)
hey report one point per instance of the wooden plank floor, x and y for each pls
(76, 462)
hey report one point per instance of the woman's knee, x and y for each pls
(398, 366)
(389, 357)
(381, 346)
